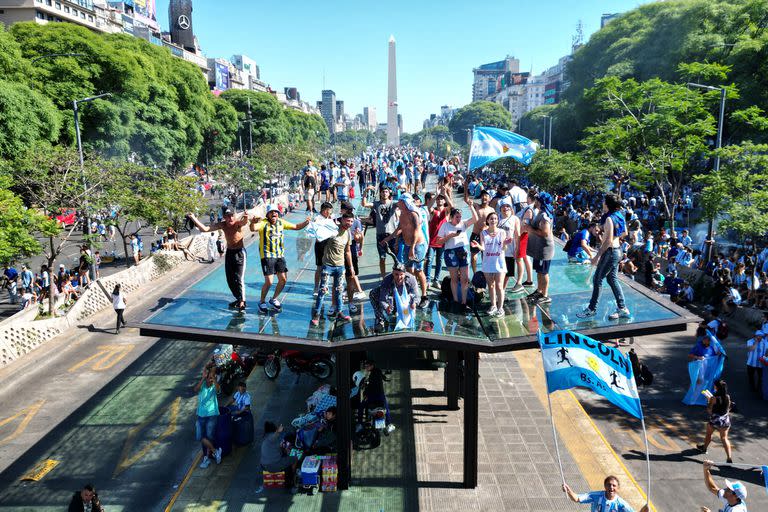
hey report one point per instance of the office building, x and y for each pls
(369, 118)
(328, 110)
(488, 77)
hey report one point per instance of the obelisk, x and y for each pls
(393, 132)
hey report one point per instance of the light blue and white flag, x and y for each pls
(765, 477)
(489, 144)
(574, 360)
(404, 313)
(703, 374)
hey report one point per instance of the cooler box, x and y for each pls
(310, 471)
(224, 431)
(274, 480)
(242, 428)
(330, 475)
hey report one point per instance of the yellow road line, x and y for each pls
(28, 413)
(589, 448)
(184, 481)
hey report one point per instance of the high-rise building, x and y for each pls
(369, 118)
(608, 17)
(488, 77)
(339, 111)
(393, 132)
(328, 110)
(180, 19)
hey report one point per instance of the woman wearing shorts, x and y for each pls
(492, 244)
(526, 214)
(453, 235)
(511, 224)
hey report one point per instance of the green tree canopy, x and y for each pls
(479, 113)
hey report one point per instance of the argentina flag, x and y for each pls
(573, 360)
(489, 144)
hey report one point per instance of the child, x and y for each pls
(492, 243)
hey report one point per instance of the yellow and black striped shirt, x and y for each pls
(271, 237)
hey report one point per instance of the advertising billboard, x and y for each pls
(222, 76)
(145, 8)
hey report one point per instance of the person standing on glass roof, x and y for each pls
(272, 252)
(234, 260)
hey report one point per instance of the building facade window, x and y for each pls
(66, 8)
(82, 14)
(90, 18)
(58, 5)
(39, 15)
(49, 2)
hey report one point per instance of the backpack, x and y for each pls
(646, 377)
(568, 244)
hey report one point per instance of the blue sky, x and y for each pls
(299, 42)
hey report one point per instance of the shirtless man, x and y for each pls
(482, 212)
(234, 260)
(409, 227)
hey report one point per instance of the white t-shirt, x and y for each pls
(455, 242)
(493, 256)
(118, 301)
(508, 225)
(601, 504)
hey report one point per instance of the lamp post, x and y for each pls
(76, 110)
(718, 145)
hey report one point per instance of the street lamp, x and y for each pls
(76, 111)
(548, 139)
(718, 145)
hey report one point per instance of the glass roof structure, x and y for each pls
(200, 311)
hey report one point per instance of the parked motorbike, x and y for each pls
(231, 367)
(318, 365)
(368, 435)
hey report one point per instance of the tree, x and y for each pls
(560, 172)
(738, 192)
(28, 119)
(281, 160)
(239, 174)
(50, 180)
(17, 225)
(479, 113)
(656, 129)
(220, 135)
(268, 124)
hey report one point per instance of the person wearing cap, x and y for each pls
(613, 226)
(415, 244)
(603, 501)
(756, 347)
(323, 227)
(733, 495)
(272, 251)
(236, 256)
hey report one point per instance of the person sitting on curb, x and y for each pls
(603, 500)
(383, 296)
(733, 495)
(241, 401)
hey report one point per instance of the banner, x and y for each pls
(574, 360)
(703, 374)
(490, 144)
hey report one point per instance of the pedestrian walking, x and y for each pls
(733, 495)
(756, 347)
(118, 302)
(603, 501)
(719, 409)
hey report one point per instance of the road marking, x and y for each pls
(127, 460)
(40, 470)
(591, 451)
(184, 482)
(28, 413)
(105, 358)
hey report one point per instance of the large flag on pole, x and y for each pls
(574, 360)
(489, 144)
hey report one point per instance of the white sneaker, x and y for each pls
(500, 313)
(217, 454)
(492, 311)
(619, 313)
(359, 296)
(587, 313)
(390, 428)
(206, 462)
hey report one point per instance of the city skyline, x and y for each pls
(437, 52)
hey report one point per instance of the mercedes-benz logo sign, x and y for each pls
(183, 22)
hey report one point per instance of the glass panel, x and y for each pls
(204, 305)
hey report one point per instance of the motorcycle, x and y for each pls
(368, 434)
(231, 367)
(318, 365)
